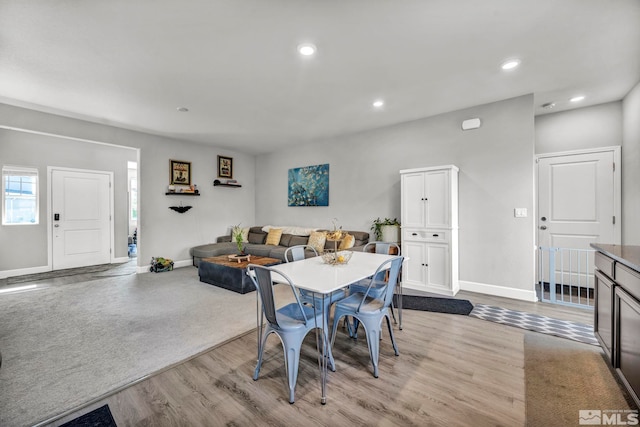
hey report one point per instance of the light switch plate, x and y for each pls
(520, 212)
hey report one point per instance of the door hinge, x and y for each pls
(614, 166)
(614, 219)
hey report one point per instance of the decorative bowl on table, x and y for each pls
(337, 258)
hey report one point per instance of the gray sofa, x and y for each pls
(256, 246)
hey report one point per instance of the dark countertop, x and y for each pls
(624, 254)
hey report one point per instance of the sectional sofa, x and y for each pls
(256, 243)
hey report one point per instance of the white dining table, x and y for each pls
(314, 275)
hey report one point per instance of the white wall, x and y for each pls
(29, 247)
(496, 176)
(631, 168)
(605, 125)
(162, 232)
(579, 129)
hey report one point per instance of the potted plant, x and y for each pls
(386, 230)
(236, 233)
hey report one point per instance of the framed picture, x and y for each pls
(180, 172)
(309, 186)
(225, 167)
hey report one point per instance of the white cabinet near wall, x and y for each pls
(430, 229)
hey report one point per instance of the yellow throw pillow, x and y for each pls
(273, 238)
(347, 242)
(317, 240)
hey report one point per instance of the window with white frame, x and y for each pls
(19, 195)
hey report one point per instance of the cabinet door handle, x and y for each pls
(414, 234)
(435, 235)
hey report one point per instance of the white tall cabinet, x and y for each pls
(430, 229)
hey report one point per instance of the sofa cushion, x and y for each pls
(347, 242)
(256, 238)
(258, 249)
(285, 240)
(298, 240)
(273, 236)
(317, 240)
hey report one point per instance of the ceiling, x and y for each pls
(234, 63)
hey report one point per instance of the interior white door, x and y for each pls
(576, 207)
(81, 217)
(576, 200)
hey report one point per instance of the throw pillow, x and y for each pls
(317, 240)
(273, 238)
(347, 242)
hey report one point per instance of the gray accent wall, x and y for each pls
(496, 176)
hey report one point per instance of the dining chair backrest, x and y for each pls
(392, 267)
(261, 277)
(381, 247)
(297, 252)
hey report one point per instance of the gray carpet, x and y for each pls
(65, 344)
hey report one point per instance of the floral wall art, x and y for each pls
(309, 186)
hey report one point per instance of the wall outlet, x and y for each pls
(520, 212)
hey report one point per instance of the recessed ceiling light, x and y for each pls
(510, 64)
(577, 98)
(182, 109)
(378, 103)
(307, 49)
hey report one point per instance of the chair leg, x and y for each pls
(393, 338)
(372, 332)
(292, 356)
(256, 373)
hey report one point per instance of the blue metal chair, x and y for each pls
(297, 253)
(371, 311)
(291, 323)
(377, 290)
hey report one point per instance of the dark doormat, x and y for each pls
(100, 417)
(438, 305)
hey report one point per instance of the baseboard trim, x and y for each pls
(499, 291)
(24, 271)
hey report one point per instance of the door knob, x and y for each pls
(543, 227)
(544, 218)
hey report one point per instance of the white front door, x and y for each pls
(81, 218)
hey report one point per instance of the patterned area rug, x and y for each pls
(535, 322)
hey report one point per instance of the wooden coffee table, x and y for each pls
(229, 273)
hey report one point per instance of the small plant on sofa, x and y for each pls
(236, 233)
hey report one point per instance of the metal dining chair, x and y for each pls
(379, 248)
(291, 322)
(297, 253)
(370, 311)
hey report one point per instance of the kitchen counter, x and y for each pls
(624, 254)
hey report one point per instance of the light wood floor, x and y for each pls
(452, 370)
